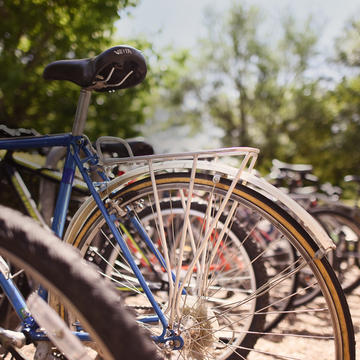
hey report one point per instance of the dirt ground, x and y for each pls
(315, 349)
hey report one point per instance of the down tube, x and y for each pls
(62, 204)
(124, 248)
(63, 199)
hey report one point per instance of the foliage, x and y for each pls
(35, 32)
(259, 87)
(263, 90)
(348, 45)
(344, 155)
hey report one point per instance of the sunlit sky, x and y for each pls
(180, 22)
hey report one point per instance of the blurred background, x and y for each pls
(280, 75)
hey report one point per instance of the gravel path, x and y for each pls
(314, 351)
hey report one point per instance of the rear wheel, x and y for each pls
(213, 321)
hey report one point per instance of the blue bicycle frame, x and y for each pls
(75, 143)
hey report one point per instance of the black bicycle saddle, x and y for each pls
(119, 67)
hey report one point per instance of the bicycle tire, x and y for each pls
(341, 341)
(64, 272)
(306, 293)
(345, 232)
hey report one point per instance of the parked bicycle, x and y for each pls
(341, 222)
(199, 290)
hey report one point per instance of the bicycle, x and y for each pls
(16, 166)
(192, 303)
(27, 245)
(340, 221)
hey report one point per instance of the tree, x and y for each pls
(235, 56)
(264, 90)
(247, 83)
(35, 32)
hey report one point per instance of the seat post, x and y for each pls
(81, 112)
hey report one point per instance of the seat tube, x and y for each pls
(63, 199)
(64, 194)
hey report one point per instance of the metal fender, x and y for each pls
(257, 183)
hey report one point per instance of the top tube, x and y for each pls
(32, 142)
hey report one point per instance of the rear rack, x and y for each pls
(246, 155)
